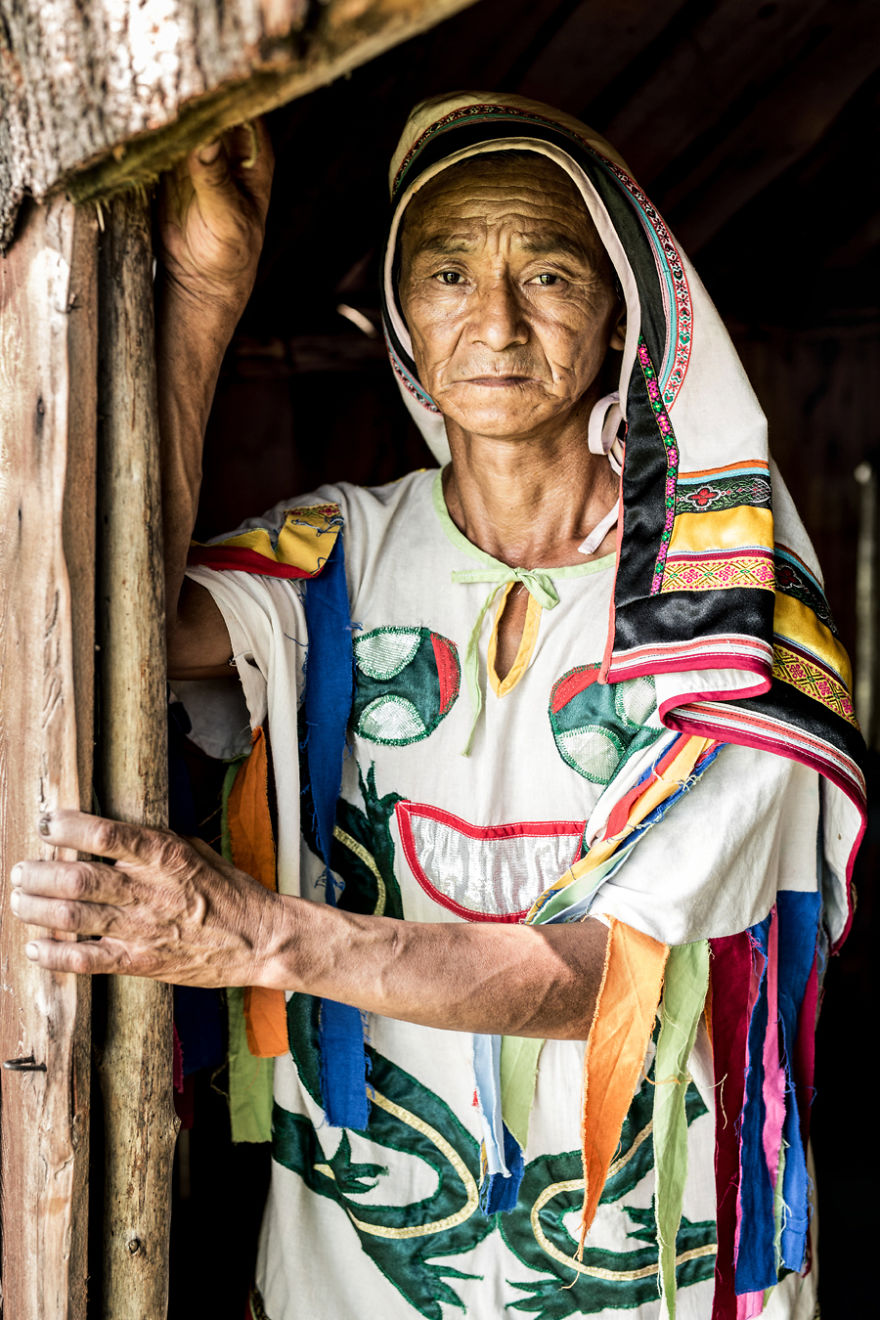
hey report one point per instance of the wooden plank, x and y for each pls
(590, 50)
(47, 454)
(698, 69)
(134, 1060)
(100, 96)
(780, 128)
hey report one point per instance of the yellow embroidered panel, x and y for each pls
(719, 573)
(811, 678)
(795, 622)
(729, 529)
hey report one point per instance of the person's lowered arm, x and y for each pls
(212, 212)
(175, 911)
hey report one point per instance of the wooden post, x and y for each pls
(47, 454)
(135, 1057)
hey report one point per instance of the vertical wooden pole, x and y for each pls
(47, 487)
(135, 1057)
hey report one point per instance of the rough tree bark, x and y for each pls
(47, 457)
(98, 95)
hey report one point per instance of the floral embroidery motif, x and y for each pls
(598, 726)
(407, 680)
(793, 578)
(719, 573)
(722, 493)
(804, 672)
(664, 426)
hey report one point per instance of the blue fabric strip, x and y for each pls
(329, 690)
(798, 933)
(487, 1080)
(499, 1192)
(756, 1260)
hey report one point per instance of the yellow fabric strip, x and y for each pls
(501, 686)
(657, 791)
(616, 1049)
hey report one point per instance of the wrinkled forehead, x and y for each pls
(463, 201)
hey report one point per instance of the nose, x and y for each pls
(498, 319)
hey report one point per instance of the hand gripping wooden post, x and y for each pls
(135, 1058)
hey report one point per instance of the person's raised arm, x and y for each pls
(210, 224)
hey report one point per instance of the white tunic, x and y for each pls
(387, 1223)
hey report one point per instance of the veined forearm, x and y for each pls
(190, 343)
(482, 976)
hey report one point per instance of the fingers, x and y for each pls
(86, 959)
(240, 161)
(111, 838)
(65, 914)
(90, 882)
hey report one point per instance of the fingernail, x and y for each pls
(209, 153)
(15, 875)
(45, 824)
(31, 951)
(15, 900)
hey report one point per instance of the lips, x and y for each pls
(485, 873)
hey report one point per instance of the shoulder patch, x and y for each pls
(299, 548)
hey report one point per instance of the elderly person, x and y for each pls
(542, 964)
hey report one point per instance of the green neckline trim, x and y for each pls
(460, 541)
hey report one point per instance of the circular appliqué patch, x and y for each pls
(406, 681)
(597, 727)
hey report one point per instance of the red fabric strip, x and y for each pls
(243, 559)
(731, 974)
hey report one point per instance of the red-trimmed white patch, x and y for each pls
(485, 872)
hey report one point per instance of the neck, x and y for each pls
(529, 503)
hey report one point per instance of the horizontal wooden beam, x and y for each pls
(99, 97)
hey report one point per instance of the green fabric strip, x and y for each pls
(519, 1077)
(579, 891)
(250, 1079)
(684, 994)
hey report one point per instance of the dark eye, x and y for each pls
(448, 276)
(547, 279)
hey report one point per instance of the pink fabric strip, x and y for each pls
(755, 976)
(774, 1072)
(805, 1050)
(749, 1305)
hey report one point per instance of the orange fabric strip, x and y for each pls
(253, 851)
(616, 1047)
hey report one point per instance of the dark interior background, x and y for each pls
(753, 127)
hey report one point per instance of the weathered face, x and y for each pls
(507, 292)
